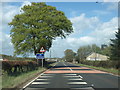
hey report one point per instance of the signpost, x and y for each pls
(41, 55)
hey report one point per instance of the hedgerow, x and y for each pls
(105, 64)
(18, 66)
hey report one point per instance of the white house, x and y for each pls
(96, 56)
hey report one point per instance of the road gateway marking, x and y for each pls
(75, 79)
(77, 83)
(40, 83)
(80, 76)
(72, 76)
(46, 76)
(42, 79)
(68, 67)
(69, 74)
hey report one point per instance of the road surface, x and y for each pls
(67, 76)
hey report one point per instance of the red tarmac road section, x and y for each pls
(71, 70)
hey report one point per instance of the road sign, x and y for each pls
(39, 56)
(42, 50)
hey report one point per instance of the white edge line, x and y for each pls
(36, 78)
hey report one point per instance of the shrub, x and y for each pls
(18, 66)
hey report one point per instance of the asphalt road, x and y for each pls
(66, 76)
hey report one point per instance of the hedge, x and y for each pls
(12, 67)
(105, 64)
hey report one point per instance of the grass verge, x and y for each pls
(109, 70)
(13, 81)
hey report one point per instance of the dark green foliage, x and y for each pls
(37, 26)
(105, 64)
(69, 55)
(115, 50)
(106, 51)
(8, 57)
(12, 67)
(84, 51)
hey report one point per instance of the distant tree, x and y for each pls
(69, 55)
(115, 47)
(37, 26)
(84, 51)
(106, 51)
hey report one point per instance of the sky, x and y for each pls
(93, 23)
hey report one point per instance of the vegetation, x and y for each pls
(9, 57)
(36, 27)
(12, 81)
(69, 55)
(13, 67)
(110, 70)
(115, 47)
(84, 51)
(105, 64)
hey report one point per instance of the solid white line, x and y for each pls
(37, 77)
(40, 83)
(77, 83)
(75, 79)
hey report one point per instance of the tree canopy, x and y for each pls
(37, 26)
(69, 55)
(115, 47)
(84, 51)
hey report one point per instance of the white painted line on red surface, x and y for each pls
(40, 83)
(77, 83)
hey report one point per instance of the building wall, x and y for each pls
(96, 56)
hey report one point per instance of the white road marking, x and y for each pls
(69, 74)
(42, 79)
(67, 66)
(77, 83)
(80, 76)
(72, 76)
(37, 77)
(40, 83)
(45, 76)
(75, 79)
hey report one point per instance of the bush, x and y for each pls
(18, 66)
(105, 64)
